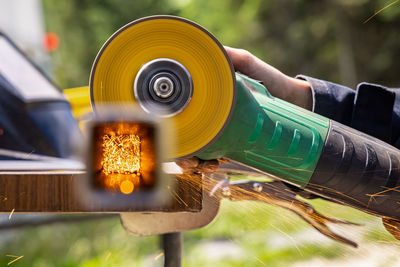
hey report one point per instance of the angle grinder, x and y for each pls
(176, 69)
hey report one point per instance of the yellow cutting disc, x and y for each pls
(141, 41)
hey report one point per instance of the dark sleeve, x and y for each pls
(371, 108)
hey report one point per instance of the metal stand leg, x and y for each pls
(172, 245)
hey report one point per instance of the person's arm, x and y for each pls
(280, 85)
(373, 109)
(370, 108)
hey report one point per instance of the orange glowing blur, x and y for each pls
(126, 187)
(124, 156)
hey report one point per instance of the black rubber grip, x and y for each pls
(360, 171)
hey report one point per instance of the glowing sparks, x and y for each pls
(11, 213)
(121, 161)
(159, 256)
(121, 154)
(274, 193)
(124, 157)
(380, 10)
(289, 237)
(15, 258)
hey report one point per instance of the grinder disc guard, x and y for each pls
(171, 67)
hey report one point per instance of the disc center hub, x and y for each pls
(163, 87)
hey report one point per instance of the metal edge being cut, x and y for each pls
(93, 70)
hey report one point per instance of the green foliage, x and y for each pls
(83, 27)
(243, 234)
(324, 39)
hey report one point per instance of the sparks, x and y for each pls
(159, 256)
(380, 10)
(14, 260)
(11, 213)
(121, 154)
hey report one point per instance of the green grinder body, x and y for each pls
(271, 135)
(309, 151)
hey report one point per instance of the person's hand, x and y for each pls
(278, 84)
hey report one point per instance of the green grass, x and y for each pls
(259, 233)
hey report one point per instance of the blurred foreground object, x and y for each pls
(124, 156)
(35, 117)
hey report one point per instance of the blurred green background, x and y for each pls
(324, 39)
(243, 234)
